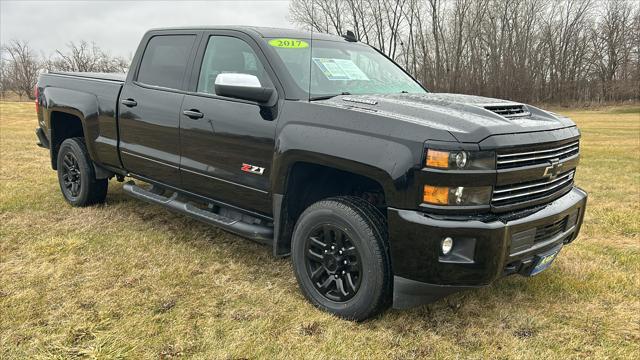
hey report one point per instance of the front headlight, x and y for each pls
(460, 159)
(457, 195)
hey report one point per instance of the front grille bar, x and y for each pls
(536, 184)
(535, 157)
(555, 183)
(540, 151)
(548, 231)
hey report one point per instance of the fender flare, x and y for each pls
(284, 164)
(379, 159)
(82, 105)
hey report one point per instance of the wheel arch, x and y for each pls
(302, 173)
(70, 113)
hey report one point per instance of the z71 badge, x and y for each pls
(252, 169)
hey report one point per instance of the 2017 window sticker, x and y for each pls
(340, 69)
(289, 43)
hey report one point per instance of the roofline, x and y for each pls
(246, 28)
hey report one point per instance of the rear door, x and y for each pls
(227, 152)
(149, 109)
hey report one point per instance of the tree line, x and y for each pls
(20, 64)
(537, 51)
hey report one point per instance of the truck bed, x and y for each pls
(95, 96)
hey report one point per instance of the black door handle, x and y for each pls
(193, 113)
(129, 102)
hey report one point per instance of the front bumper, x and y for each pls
(482, 252)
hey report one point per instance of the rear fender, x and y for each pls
(81, 105)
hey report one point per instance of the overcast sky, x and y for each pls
(117, 26)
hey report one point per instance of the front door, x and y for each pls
(149, 112)
(228, 144)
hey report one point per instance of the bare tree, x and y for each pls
(309, 14)
(612, 46)
(86, 57)
(527, 50)
(5, 84)
(20, 68)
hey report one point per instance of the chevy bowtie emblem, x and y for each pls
(551, 171)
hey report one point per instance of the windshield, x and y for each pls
(342, 68)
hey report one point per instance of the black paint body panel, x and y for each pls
(92, 100)
(150, 133)
(215, 147)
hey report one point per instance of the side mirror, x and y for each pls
(242, 86)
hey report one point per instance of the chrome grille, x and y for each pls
(535, 157)
(508, 110)
(532, 191)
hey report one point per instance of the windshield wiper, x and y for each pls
(326, 97)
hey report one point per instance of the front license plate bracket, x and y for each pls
(543, 261)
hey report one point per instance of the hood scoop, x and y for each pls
(509, 110)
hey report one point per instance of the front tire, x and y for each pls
(76, 175)
(340, 257)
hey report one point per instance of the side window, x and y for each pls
(165, 60)
(225, 54)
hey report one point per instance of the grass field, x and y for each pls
(132, 280)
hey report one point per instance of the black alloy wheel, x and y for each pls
(77, 175)
(71, 178)
(340, 257)
(333, 263)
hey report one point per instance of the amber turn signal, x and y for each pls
(438, 159)
(437, 195)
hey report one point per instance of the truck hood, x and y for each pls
(468, 118)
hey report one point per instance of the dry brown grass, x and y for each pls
(131, 280)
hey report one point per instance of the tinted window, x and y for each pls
(165, 60)
(226, 54)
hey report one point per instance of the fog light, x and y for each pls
(447, 245)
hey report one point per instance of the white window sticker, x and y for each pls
(340, 69)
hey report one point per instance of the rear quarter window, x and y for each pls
(165, 60)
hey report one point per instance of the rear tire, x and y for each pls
(340, 257)
(76, 175)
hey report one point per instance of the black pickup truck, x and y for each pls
(382, 192)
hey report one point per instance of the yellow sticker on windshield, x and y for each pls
(289, 43)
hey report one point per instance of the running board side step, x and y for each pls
(259, 233)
